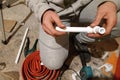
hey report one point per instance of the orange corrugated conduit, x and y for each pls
(33, 70)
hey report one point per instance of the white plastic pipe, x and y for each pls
(21, 46)
(96, 29)
(108, 67)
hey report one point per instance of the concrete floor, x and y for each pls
(9, 52)
(11, 71)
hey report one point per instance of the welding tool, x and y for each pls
(86, 71)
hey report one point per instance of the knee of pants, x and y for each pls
(53, 51)
(53, 65)
(53, 58)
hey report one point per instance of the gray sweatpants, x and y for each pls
(54, 50)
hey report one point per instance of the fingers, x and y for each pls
(108, 24)
(52, 30)
(111, 21)
(46, 29)
(49, 29)
(58, 21)
(96, 22)
(98, 18)
(49, 19)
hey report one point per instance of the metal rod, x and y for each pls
(2, 24)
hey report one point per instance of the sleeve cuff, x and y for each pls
(116, 2)
(40, 11)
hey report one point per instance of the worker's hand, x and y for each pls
(49, 21)
(107, 11)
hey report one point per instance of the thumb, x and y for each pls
(58, 22)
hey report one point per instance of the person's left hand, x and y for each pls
(107, 11)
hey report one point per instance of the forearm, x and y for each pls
(38, 7)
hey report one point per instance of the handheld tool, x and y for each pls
(33, 49)
(86, 71)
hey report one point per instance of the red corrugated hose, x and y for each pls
(33, 70)
(117, 73)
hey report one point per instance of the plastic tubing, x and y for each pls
(21, 46)
(88, 29)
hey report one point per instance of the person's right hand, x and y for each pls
(108, 12)
(50, 19)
